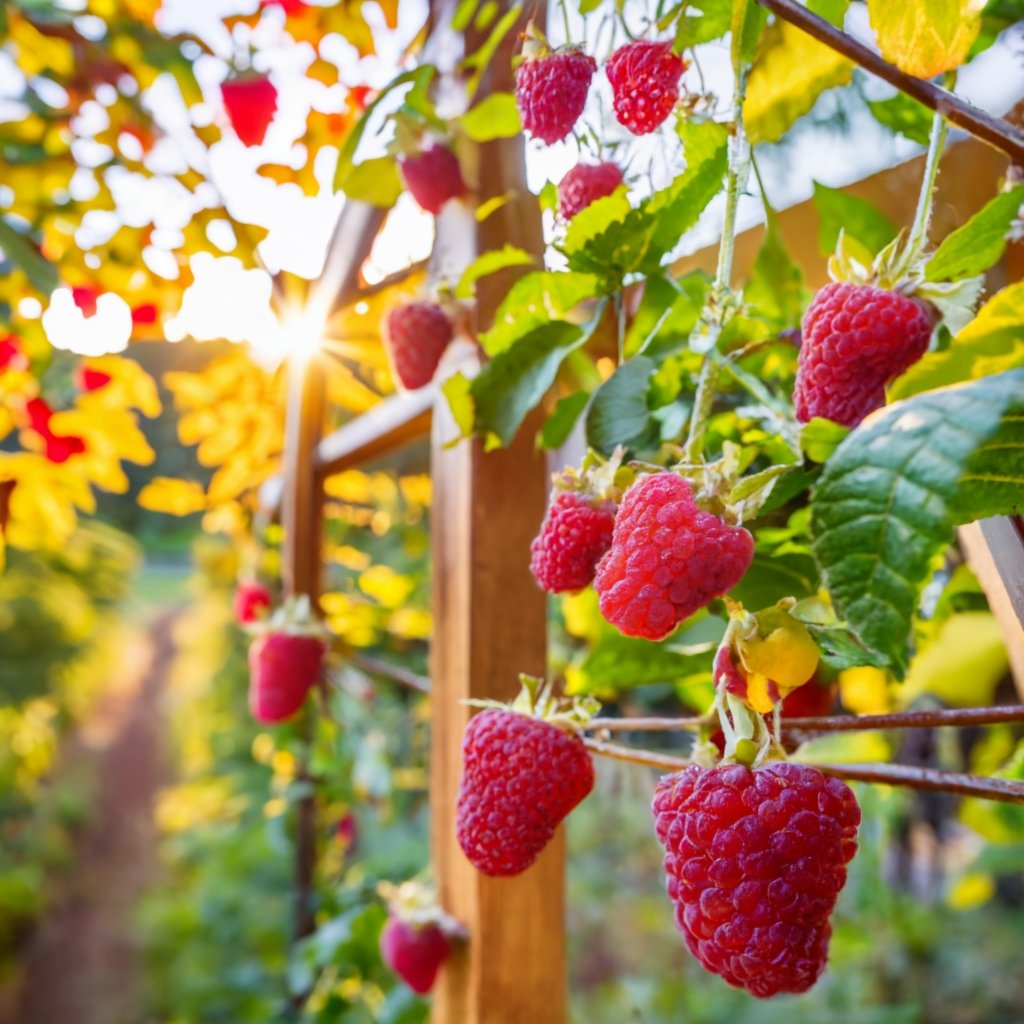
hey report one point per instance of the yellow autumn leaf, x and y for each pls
(971, 890)
(175, 497)
(130, 387)
(792, 70)
(385, 586)
(865, 690)
(38, 53)
(925, 37)
(43, 503)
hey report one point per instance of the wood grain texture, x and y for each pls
(490, 624)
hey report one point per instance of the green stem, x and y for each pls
(620, 325)
(565, 21)
(739, 166)
(925, 202)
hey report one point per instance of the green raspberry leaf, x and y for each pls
(905, 115)
(890, 497)
(558, 426)
(978, 244)
(515, 381)
(611, 240)
(496, 117)
(536, 299)
(619, 413)
(856, 218)
(489, 263)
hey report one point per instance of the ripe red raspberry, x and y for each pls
(584, 184)
(575, 534)
(432, 176)
(250, 103)
(252, 601)
(755, 861)
(415, 952)
(283, 667)
(552, 91)
(416, 336)
(668, 558)
(521, 776)
(856, 339)
(645, 84)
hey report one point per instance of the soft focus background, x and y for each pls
(145, 855)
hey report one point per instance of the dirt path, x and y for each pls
(83, 964)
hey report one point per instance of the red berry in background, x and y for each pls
(645, 84)
(585, 184)
(88, 378)
(416, 336)
(414, 952)
(251, 602)
(812, 700)
(250, 103)
(856, 338)
(347, 830)
(432, 176)
(144, 315)
(755, 860)
(85, 299)
(521, 776)
(283, 667)
(11, 356)
(668, 559)
(58, 447)
(551, 92)
(576, 532)
(290, 7)
(39, 413)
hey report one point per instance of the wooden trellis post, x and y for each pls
(490, 623)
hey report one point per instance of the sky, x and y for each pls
(231, 301)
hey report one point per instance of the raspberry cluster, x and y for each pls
(576, 532)
(667, 559)
(416, 336)
(755, 861)
(585, 184)
(521, 777)
(855, 339)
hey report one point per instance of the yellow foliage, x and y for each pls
(865, 690)
(386, 586)
(411, 624)
(174, 497)
(789, 75)
(39, 54)
(963, 664)
(926, 37)
(971, 890)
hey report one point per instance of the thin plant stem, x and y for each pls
(926, 200)
(739, 164)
